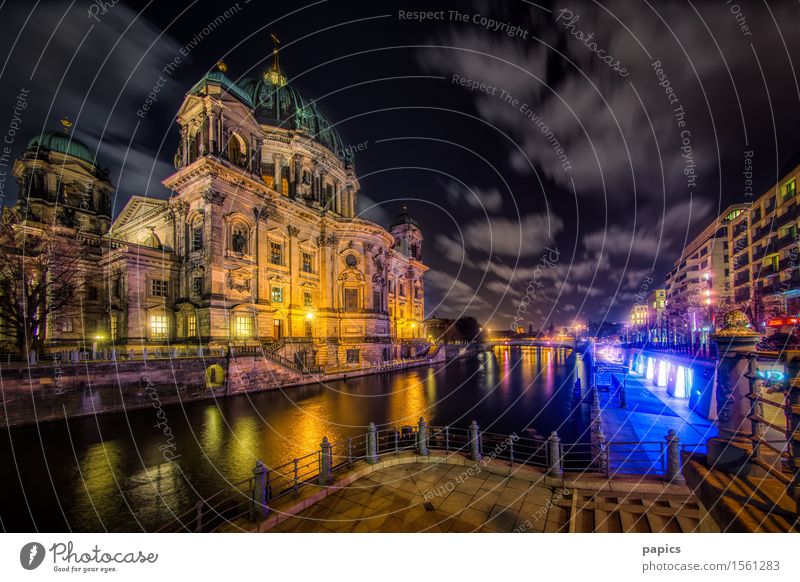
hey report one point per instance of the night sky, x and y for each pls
(571, 159)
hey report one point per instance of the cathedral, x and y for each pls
(259, 246)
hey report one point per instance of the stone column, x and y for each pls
(276, 176)
(325, 462)
(372, 444)
(258, 505)
(554, 468)
(422, 438)
(730, 449)
(672, 464)
(474, 442)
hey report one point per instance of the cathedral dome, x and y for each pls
(61, 142)
(278, 104)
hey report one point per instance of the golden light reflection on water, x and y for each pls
(407, 400)
(98, 467)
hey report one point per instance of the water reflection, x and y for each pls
(117, 462)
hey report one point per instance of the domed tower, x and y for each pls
(61, 183)
(407, 235)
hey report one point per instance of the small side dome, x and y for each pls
(228, 86)
(403, 218)
(64, 143)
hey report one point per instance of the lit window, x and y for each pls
(307, 267)
(243, 326)
(275, 253)
(352, 356)
(158, 326)
(791, 189)
(277, 294)
(158, 287)
(114, 326)
(191, 326)
(307, 299)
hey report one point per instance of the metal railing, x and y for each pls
(780, 458)
(253, 497)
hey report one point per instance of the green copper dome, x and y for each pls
(59, 141)
(280, 105)
(227, 85)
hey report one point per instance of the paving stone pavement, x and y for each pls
(402, 499)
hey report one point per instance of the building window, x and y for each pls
(268, 173)
(307, 265)
(307, 299)
(277, 294)
(114, 326)
(66, 324)
(159, 327)
(243, 326)
(197, 238)
(377, 301)
(91, 293)
(350, 260)
(191, 326)
(401, 287)
(158, 287)
(351, 299)
(276, 253)
(352, 356)
(791, 189)
(116, 287)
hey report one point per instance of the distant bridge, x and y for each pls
(567, 342)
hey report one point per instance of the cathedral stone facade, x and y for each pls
(259, 246)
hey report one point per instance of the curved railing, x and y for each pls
(252, 498)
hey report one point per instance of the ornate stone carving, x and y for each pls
(240, 280)
(213, 197)
(332, 240)
(367, 246)
(292, 230)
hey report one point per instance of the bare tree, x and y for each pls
(41, 275)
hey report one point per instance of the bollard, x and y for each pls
(422, 438)
(622, 401)
(325, 462)
(554, 466)
(672, 467)
(595, 412)
(372, 444)
(258, 504)
(474, 442)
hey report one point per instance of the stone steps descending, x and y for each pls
(618, 512)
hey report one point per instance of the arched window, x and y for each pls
(240, 238)
(237, 150)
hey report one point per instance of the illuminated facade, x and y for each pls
(259, 242)
(700, 281)
(766, 267)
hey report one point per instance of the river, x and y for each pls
(108, 473)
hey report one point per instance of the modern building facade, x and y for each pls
(765, 274)
(699, 281)
(260, 241)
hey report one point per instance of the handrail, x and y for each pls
(617, 457)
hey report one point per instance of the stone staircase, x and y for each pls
(585, 511)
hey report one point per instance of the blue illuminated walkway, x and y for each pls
(650, 413)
